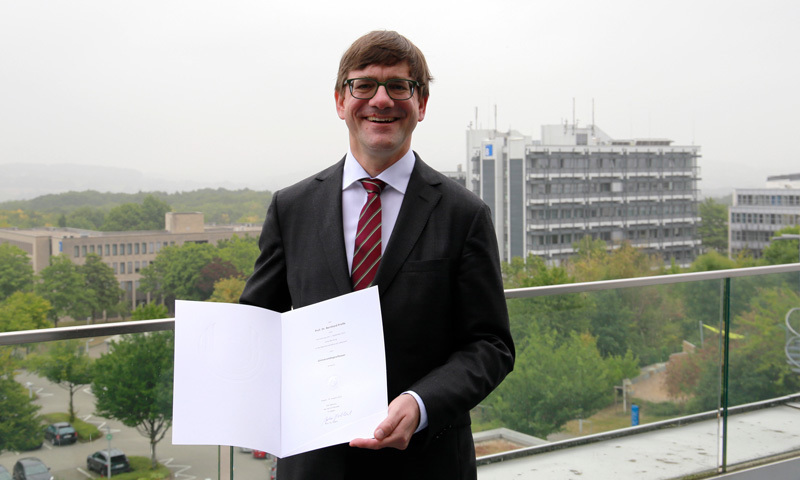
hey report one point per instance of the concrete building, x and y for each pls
(578, 181)
(758, 213)
(125, 252)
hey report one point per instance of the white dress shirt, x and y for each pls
(354, 196)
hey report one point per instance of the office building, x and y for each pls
(546, 195)
(125, 252)
(758, 213)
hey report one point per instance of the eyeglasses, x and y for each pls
(396, 88)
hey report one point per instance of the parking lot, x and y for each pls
(68, 462)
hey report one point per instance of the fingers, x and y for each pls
(396, 429)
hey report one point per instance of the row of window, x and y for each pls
(567, 239)
(610, 162)
(114, 249)
(752, 236)
(128, 267)
(567, 187)
(786, 200)
(611, 211)
(765, 218)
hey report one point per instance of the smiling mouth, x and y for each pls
(380, 119)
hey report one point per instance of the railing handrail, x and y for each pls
(142, 326)
(648, 281)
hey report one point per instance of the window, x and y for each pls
(114, 249)
(121, 267)
(130, 249)
(83, 250)
(77, 251)
(136, 248)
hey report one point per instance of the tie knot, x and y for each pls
(373, 185)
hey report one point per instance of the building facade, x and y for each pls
(125, 252)
(577, 181)
(758, 213)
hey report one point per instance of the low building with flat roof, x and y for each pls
(125, 252)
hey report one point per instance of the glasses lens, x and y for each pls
(363, 88)
(400, 89)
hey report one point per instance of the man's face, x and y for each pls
(380, 128)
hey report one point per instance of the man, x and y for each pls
(434, 259)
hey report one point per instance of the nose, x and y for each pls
(381, 99)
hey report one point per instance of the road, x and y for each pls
(68, 462)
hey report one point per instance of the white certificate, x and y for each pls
(282, 383)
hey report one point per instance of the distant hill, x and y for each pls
(22, 181)
(220, 206)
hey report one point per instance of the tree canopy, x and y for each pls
(64, 286)
(713, 226)
(67, 365)
(16, 273)
(133, 384)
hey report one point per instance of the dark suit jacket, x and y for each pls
(444, 313)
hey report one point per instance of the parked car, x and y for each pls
(259, 454)
(4, 475)
(31, 468)
(60, 433)
(98, 461)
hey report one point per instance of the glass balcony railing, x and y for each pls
(655, 377)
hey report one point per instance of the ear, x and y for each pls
(423, 104)
(339, 103)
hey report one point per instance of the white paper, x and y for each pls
(282, 383)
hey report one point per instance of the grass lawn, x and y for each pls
(613, 418)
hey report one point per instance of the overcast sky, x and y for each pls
(242, 91)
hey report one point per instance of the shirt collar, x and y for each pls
(396, 176)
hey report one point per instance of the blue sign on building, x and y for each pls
(488, 150)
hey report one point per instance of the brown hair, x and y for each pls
(383, 47)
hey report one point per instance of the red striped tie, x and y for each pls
(367, 253)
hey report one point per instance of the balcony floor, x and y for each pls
(668, 453)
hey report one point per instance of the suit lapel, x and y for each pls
(328, 215)
(420, 199)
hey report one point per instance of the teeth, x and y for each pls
(381, 120)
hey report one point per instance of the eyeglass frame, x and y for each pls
(414, 85)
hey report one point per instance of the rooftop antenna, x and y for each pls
(573, 115)
(593, 117)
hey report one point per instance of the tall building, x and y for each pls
(125, 252)
(758, 213)
(577, 181)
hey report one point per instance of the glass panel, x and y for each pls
(599, 361)
(127, 370)
(764, 357)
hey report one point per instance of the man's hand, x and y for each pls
(396, 430)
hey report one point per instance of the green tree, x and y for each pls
(16, 273)
(67, 365)
(154, 213)
(553, 382)
(228, 290)
(176, 270)
(86, 217)
(20, 426)
(123, 218)
(783, 251)
(150, 215)
(101, 284)
(713, 227)
(24, 311)
(133, 384)
(150, 311)
(241, 252)
(64, 286)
